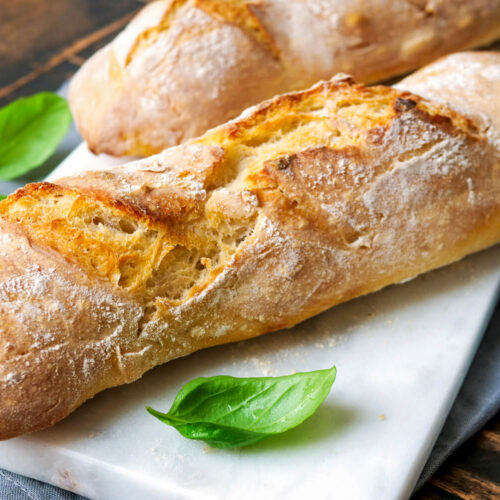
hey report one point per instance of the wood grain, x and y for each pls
(43, 43)
(472, 472)
(38, 37)
(67, 54)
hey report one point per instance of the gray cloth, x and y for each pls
(478, 401)
(16, 487)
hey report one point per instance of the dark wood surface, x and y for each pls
(472, 472)
(42, 43)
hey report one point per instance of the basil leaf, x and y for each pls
(2, 197)
(229, 412)
(30, 130)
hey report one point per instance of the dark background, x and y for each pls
(42, 43)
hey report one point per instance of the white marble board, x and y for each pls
(401, 355)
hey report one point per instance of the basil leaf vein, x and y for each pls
(30, 130)
(229, 412)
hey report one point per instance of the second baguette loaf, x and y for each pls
(184, 66)
(301, 203)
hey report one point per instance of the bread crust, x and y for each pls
(184, 66)
(303, 202)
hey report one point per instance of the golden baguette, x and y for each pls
(303, 202)
(184, 66)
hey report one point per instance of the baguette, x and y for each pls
(304, 201)
(184, 66)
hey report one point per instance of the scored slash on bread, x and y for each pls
(184, 66)
(303, 202)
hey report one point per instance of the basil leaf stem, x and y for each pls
(229, 412)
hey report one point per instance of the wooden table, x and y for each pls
(43, 43)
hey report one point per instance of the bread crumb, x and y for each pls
(382, 416)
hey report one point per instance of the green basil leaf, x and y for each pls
(229, 412)
(30, 130)
(2, 197)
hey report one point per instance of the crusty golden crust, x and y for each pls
(184, 66)
(60, 336)
(301, 203)
(454, 80)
